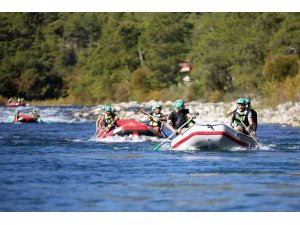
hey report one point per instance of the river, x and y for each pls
(56, 166)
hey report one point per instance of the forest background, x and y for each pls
(92, 58)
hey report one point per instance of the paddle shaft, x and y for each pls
(254, 138)
(156, 147)
(102, 131)
(148, 114)
(97, 130)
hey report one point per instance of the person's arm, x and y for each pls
(99, 122)
(147, 114)
(143, 111)
(163, 118)
(169, 123)
(191, 115)
(231, 111)
(250, 120)
(116, 118)
(169, 126)
(250, 127)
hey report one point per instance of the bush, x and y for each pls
(279, 67)
(291, 89)
(121, 93)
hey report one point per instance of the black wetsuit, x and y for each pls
(179, 118)
(254, 118)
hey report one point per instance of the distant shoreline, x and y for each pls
(286, 114)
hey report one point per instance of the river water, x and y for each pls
(56, 166)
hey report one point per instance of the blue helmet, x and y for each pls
(179, 104)
(108, 108)
(156, 106)
(241, 101)
(247, 100)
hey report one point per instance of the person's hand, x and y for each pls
(178, 131)
(248, 129)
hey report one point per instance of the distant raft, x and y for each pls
(212, 136)
(15, 104)
(128, 127)
(25, 119)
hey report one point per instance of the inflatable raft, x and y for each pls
(14, 104)
(25, 119)
(128, 127)
(212, 136)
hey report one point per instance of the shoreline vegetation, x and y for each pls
(92, 58)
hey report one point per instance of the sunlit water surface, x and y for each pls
(56, 166)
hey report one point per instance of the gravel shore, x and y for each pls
(287, 113)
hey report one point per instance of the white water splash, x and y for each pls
(201, 157)
(130, 138)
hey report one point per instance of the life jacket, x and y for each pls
(154, 122)
(240, 116)
(109, 121)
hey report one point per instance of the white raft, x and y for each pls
(211, 136)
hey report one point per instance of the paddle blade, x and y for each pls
(156, 147)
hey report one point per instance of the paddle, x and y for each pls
(258, 142)
(94, 136)
(148, 114)
(157, 146)
(104, 130)
(97, 130)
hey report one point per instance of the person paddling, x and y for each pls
(35, 114)
(155, 117)
(98, 124)
(179, 116)
(107, 120)
(242, 118)
(17, 115)
(252, 114)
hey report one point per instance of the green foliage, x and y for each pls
(279, 67)
(108, 57)
(164, 43)
(139, 84)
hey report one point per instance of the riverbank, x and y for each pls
(285, 114)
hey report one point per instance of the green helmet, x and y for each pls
(107, 108)
(179, 104)
(241, 101)
(156, 106)
(247, 100)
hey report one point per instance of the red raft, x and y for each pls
(128, 127)
(25, 119)
(15, 104)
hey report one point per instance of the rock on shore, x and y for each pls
(287, 113)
